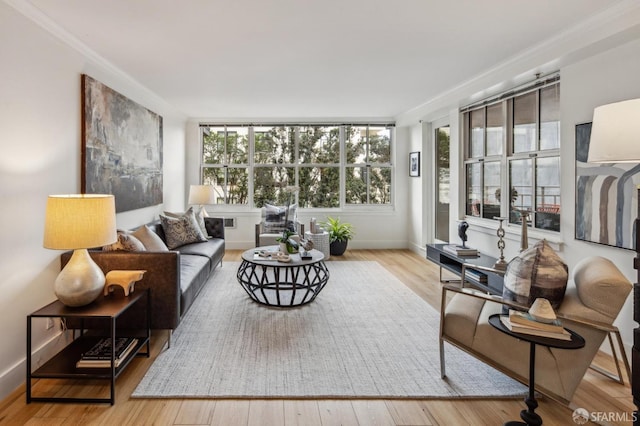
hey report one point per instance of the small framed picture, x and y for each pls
(414, 164)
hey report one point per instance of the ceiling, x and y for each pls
(309, 58)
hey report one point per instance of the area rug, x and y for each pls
(366, 335)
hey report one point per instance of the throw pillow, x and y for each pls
(536, 272)
(181, 230)
(198, 213)
(273, 218)
(125, 242)
(150, 240)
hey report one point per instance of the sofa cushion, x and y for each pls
(276, 220)
(125, 242)
(198, 213)
(150, 240)
(536, 272)
(194, 272)
(207, 249)
(181, 230)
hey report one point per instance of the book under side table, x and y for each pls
(102, 316)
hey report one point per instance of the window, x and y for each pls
(333, 165)
(513, 144)
(368, 171)
(225, 159)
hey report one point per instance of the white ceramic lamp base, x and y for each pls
(80, 282)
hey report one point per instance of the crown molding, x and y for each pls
(544, 57)
(28, 10)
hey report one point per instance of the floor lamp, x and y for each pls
(615, 138)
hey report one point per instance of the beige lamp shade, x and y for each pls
(202, 194)
(79, 221)
(615, 133)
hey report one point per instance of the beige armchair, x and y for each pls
(594, 297)
(274, 219)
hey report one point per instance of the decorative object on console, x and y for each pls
(121, 147)
(463, 226)
(78, 222)
(500, 264)
(460, 251)
(536, 272)
(202, 195)
(124, 279)
(615, 138)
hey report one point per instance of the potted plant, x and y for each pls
(339, 235)
(287, 244)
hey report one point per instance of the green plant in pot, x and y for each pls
(290, 244)
(339, 235)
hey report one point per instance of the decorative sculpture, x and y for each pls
(124, 279)
(462, 232)
(500, 264)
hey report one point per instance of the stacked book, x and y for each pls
(523, 322)
(460, 251)
(99, 356)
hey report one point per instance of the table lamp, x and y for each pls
(615, 138)
(78, 222)
(202, 195)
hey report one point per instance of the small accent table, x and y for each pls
(273, 283)
(529, 415)
(106, 311)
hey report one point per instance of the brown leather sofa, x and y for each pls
(175, 277)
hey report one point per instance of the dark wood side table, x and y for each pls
(105, 310)
(529, 415)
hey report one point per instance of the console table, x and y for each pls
(482, 279)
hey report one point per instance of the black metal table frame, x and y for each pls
(529, 415)
(57, 310)
(289, 280)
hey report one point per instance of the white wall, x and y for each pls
(375, 228)
(40, 155)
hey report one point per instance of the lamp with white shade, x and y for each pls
(78, 222)
(615, 138)
(202, 195)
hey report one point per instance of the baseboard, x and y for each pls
(16, 375)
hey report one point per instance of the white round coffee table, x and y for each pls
(274, 283)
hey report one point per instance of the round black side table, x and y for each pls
(529, 415)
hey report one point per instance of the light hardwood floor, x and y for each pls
(596, 393)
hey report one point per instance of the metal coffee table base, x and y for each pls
(283, 285)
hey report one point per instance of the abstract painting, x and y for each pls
(606, 197)
(121, 148)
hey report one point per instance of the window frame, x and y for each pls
(508, 156)
(297, 165)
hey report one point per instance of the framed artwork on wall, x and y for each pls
(121, 148)
(606, 197)
(414, 164)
